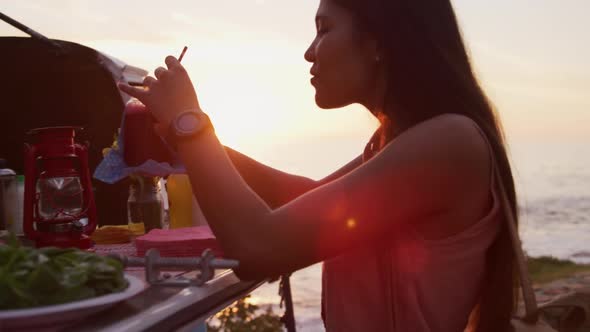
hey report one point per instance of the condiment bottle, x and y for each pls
(184, 208)
(145, 206)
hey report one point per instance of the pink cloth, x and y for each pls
(412, 284)
(127, 249)
(179, 242)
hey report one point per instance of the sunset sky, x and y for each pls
(246, 59)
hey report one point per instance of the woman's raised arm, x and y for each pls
(422, 177)
(276, 187)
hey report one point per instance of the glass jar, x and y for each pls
(17, 226)
(145, 205)
(8, 196)
(60, 198)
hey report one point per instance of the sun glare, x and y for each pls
(351, 223)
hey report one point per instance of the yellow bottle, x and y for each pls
(184, 209)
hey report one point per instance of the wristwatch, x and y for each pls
(187, 125)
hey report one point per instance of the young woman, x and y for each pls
(410, 232)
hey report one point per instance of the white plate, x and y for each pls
(49, 317)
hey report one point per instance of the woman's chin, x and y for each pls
(328, 103)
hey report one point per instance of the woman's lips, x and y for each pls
(313, 80)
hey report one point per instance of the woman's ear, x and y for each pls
(373, 49)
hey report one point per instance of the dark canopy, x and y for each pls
(41, 86)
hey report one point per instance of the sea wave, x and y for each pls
(558, 227)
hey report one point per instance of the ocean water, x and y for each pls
(554, 190)
(553, 186)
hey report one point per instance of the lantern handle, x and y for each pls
(30, 194)
(86, 180)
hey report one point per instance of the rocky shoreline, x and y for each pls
(577, 282)
(569, 290)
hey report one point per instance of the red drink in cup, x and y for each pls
(139, 137)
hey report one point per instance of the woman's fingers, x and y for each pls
(173, 63)
(166, 94)
(148, 81)
(160, 72)
(139, 93)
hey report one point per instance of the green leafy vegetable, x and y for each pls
(37, 277)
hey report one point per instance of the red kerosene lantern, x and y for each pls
(59, 207)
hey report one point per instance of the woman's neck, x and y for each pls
(374, 99)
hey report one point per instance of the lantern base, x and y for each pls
(64, 241)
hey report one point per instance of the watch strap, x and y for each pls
(173, 137)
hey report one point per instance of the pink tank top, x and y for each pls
(411, 284)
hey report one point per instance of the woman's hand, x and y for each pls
(166, 95)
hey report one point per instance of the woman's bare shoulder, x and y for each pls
(445, 138)
(450, 152)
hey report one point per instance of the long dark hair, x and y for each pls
(429, 73)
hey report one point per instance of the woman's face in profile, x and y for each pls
(344, 65)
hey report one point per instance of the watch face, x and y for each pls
(188, 123)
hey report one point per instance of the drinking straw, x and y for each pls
(182, 53)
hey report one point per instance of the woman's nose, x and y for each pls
(309, 53)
